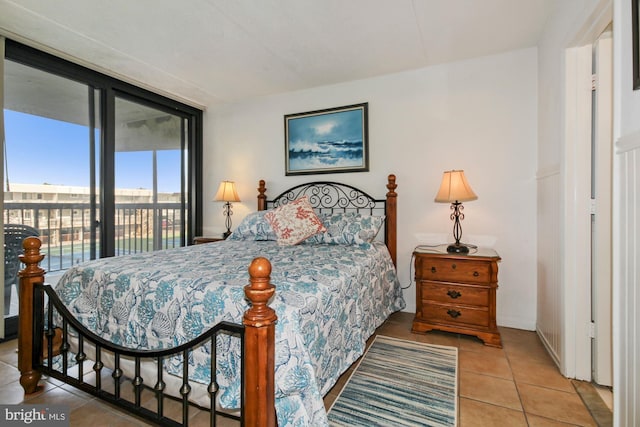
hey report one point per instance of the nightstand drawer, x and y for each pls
(438, 313)
(455, 270)
(451, 294)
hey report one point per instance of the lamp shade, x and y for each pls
(227, 192)
(455, 188)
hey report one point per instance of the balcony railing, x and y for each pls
(68, 236)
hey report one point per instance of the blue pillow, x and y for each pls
(254, 227)
(348, 228)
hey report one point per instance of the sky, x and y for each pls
(41, 150)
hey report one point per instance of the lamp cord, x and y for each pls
(410, 275)
(412, 264)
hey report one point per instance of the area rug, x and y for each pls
(400, 383)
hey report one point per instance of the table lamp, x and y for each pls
(227, 193)
(455, 189)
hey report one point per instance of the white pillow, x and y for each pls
(294, 222)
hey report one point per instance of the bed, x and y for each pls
(138, 318)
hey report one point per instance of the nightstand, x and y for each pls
(204, 239)
(457, 293)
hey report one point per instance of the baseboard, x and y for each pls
(550, 350)
(516, 323)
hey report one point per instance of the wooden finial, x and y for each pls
(259, 291)
(391, 185)
(262, 198)
(260, 268)
(31, 257)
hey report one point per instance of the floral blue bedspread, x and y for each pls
(329, 299)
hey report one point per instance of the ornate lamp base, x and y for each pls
(227, 221)
(456, 217)
(458, 248)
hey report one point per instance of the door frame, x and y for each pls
(602, 233)
(2, 332)
(576, 361)
(576, 172)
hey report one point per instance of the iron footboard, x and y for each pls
(66, 351)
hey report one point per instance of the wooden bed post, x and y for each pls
(262, 198)
(391, 222)
(259, 321)
(31, 275)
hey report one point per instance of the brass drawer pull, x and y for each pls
(433, 269)
(454, 266)
(476, 274)
(453, 313)
(454, 294)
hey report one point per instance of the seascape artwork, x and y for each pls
(327, 141)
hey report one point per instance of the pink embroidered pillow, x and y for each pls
(294, 222)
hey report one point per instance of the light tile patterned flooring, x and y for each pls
(517, 385)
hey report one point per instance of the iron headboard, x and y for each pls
(333, 197)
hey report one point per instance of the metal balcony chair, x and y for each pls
(14, 234)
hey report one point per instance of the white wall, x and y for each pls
(627, 100)
(549, 321)
(626, 216)
(478, 115)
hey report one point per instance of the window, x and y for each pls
(114, 161)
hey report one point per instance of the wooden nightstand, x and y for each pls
(204, 239)
(457, 293)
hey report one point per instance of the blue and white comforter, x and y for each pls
(329, 299)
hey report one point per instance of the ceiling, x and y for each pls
(219, 51)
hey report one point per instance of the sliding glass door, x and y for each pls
(150, 178)
(94, 166)
(51, 160)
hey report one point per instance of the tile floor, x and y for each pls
(517, 385)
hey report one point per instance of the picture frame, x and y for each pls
(333, 140)
(635, 31)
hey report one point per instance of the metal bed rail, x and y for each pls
(59, 360)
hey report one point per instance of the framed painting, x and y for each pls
(327, 141)
(635, 31)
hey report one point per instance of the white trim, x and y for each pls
(629, 142)
(594, 26)
(602, 232)
(549, 348)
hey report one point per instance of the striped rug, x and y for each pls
(400, 383)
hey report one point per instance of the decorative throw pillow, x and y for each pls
(294, 222)
(254, 227)
(349, 228)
